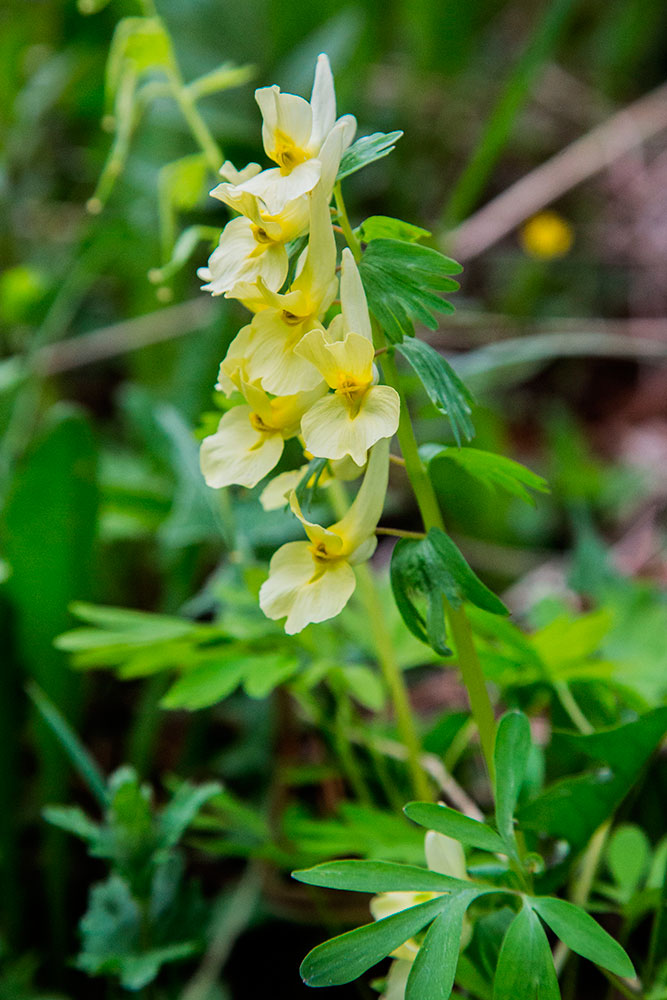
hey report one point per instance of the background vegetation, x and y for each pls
(105, 375)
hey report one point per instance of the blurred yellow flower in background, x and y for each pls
(547, 236)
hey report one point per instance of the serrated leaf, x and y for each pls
(379, 227)
(580, 932)
(349, 955)
(378, 876)
(366, 150)
(511, 753)
(435, 816)
(402, 280)
(525, 964)
(494, 471)
(443, 387)
(428, 570)
(433, 971)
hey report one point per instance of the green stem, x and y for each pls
(200, 130)
(344, 220)
(346, 754)
(405, 723)
(468, 660)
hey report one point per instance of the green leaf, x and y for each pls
(574, 807)
(365, 686)
(73, 820)
(428, 570)
(224, 77)
(366, 150)
(582, 934)
(349, 955)
(511, 761)
(402, 280)
(180, 812)
(494, 471)
(378, 876)
(79, 757)
(525, 965)
(454, 824)
(207, 683)
(433, 971)
(382, 227)
(628, 857)
(443, 386)
(266, 672)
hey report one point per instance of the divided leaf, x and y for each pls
(511, 760)
(349, 955)
(444, 388)
(140, 44)
(582, 934)
(525, 964)
(435, 816)
(366, 150)
(427, 571)
(433, 971)
(402, 281)
(495, 472)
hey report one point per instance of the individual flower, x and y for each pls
(358, 413)
(250, 437)
(264, 350)
(313, 581)
(252, 247)
(303, 138)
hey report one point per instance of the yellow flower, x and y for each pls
(264, 351)
(547, 236)
(358, 413)
(303, 138)
(313, 581)
(277, 492)
(252, 247)
(444, 855)
(250, 438)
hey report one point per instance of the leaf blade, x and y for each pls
(435, 816)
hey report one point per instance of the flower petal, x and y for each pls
(274, 362)
(331, 430)
(322, 102)
(302, 590)
(237, 453)
(353, 298)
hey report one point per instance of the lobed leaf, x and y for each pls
(365, 150)
(433, 971)
(402, 280)
(378, 227)
(582, 934)
(140, 43)
(443, 387)
(435, 816)
(430, 570)
(525, 964)
(348, 956)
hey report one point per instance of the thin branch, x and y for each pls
(579, 161)
(400, 533)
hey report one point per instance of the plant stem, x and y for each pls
(200, 130)
(468, 661)
(471, 669)
(405, 723)
(352, 240)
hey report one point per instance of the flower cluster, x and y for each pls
(294, 377)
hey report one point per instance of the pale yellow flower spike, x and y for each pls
(265, 350)
(358, 413)
(303, 138)
(250, 438)
(313, 581)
